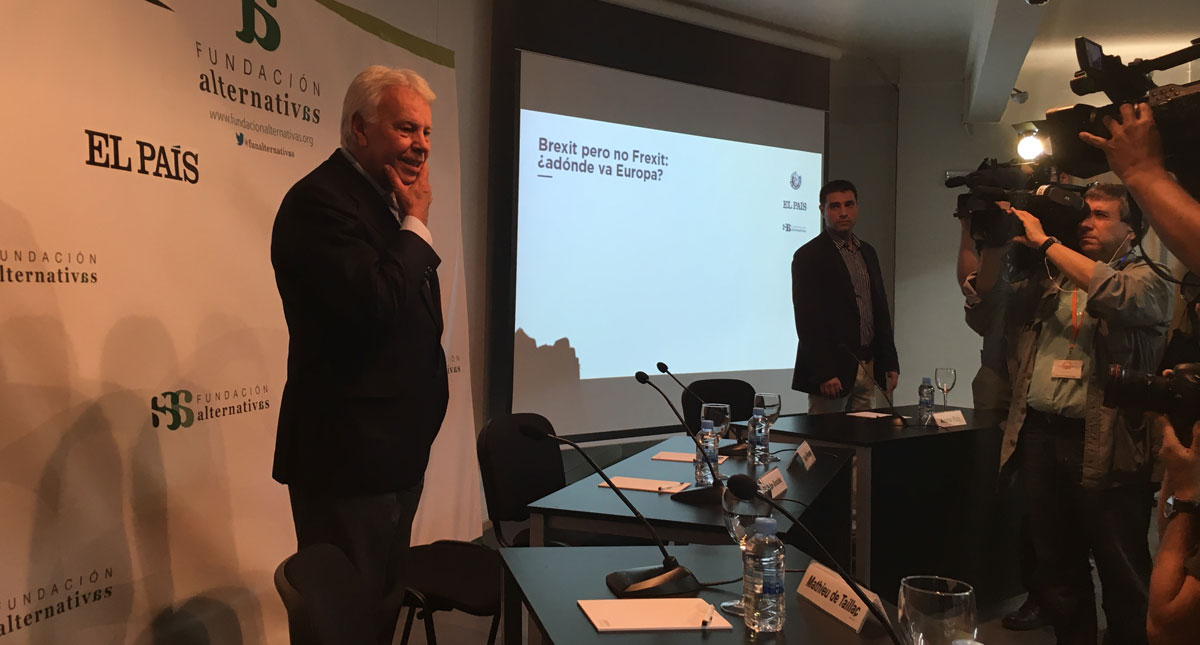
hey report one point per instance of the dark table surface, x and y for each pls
(553, 579)
(585, 498)
(859, 431)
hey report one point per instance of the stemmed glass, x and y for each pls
(944, 377)
(739, 520)
(937, 611)
(771, 405)
(719, 414)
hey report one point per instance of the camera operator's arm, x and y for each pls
(968, 259)
(1076, 266)
(1135, 154)
(1174, 612)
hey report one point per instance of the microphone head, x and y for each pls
(531, 432)
(743, 486)
(642, 377)
(662, 367)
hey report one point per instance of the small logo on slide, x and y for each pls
(796, 180)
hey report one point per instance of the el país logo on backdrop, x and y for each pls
(177, 409)
(115, 152)
(796, 181)
(48, 266)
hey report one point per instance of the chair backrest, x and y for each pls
(325, 598)
(738, 394)
(516, 469)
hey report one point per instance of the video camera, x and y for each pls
(1177, 395)
(1176, 109)
(1028, 187)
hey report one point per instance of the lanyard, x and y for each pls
(1076, 320)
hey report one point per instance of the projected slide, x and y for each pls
(636, 245)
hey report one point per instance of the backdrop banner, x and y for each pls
(147, 146)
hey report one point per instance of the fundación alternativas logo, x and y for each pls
(180, 408)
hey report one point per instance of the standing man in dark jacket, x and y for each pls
(366, 384)
(842, 313)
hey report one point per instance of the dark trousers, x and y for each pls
(1068, 522)
(374, 531)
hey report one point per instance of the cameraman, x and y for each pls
(1135, 154)
(1174, 616)
(1085, 467)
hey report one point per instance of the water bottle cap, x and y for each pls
(764, 525)
(925, 381)
(758, 412)
(706, 424)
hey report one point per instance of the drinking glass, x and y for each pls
(739, 520)
(771, 405)
(718, 413)
(936, 611)
(944, 377)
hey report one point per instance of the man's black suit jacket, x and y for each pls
(366, 376)
(827, 320)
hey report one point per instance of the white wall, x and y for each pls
(930, 331)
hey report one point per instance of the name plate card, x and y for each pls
(772, 483)
(804, 453)
(824, 588)
(949, 419)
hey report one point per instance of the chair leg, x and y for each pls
(495, 628)
(430, 636)
(407, 626)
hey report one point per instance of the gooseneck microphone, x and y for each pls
(897, 418)
(670, 579)
(706, 496)
(745, 488)
(662, 367)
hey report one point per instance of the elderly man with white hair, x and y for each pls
(366, 384)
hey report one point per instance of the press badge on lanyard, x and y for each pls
(1069, 368)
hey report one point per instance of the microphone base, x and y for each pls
(735, 450)
(653, 582)
(707, 496)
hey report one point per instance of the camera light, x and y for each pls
(1030, 147)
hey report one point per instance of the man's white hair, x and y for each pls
(366, 91)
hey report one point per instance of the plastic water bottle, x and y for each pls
(925, 401)
(758, 438)
(762, 578)
(706, 453)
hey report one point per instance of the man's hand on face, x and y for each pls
(893, 378)
(1135, 145)
(415, 198)
(832, 388)
(1034, 235)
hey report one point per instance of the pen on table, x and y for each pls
(668, 486)
(708, 616)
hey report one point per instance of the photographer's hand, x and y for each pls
(1076, 266)
(1182, 462)
(1135, 153)
(1034, 235)
(1135, 147)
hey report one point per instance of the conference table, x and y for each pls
(821, 497)
(550, 581)
(927, 499)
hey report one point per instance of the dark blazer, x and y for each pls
(827, 317)
(366, 376)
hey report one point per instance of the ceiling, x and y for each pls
(994, 44)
